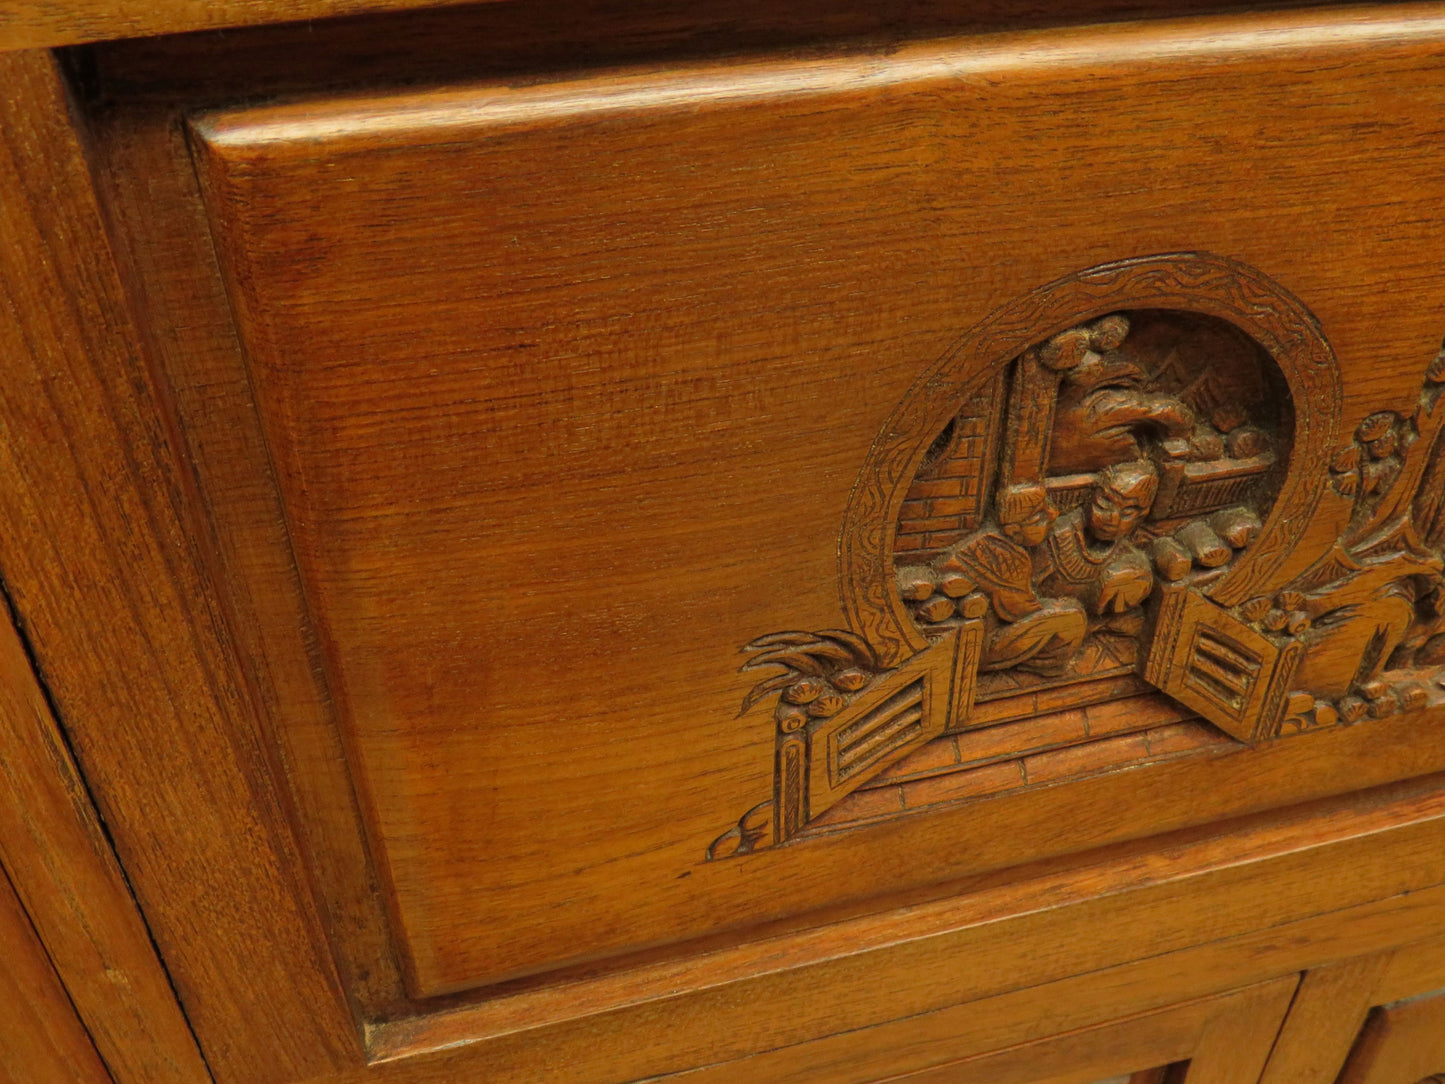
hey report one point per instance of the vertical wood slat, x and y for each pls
(107, 583)
(62, 867)
(42, 1041)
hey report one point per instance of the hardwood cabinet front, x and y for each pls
(698, 541)
(969, 390)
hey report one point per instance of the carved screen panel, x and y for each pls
(847, 392)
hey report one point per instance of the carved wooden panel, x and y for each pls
(1156, 460)
(564, 420)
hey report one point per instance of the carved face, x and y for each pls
(1033, 530)
(1383, 446)
(1121, 501)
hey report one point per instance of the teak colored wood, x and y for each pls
(131, 647)
(606, 542)
(639, 286)
(60, 862)
(42, 1040)
(1403, 1042)
(1377, 1019)
(1221, 1038)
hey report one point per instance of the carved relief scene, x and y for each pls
(1134, 451)
(1125, 546)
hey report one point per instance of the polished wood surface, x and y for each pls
(61, 864)
(1331, 1004)
(1224, 1038)
(612, 262)
(1401, 1044)
(398, 449)
(1372, 1019)
(130, 643)
(32, 24)
(42, 1040)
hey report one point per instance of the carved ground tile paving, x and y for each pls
(1097, 494)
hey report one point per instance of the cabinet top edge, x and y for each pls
(371, 116)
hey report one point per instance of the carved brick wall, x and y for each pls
(946, 500)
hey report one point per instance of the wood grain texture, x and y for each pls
(638, 286)
(1238, 1037)
(29, 24)
(1415, 969)
(123, 630)
(1324, 1020)
(995, 1038)
(62, 866)
(1077, 1058)
(1333, 884)
(539, 320)
(35, 24)
(171, 274)
(1400, 1044)
(42, 1040)
(175, 284)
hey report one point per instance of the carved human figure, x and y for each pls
(1103, 408)
(1023, 631)
(1088, 555)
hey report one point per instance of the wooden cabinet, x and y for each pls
(823, 545)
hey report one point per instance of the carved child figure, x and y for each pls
(1023, 630)
(1088, 555)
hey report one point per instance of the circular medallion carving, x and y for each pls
(1186, 393)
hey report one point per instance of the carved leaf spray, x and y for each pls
(1120, 496)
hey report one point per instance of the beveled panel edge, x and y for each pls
(360, 120)
(1249, 850)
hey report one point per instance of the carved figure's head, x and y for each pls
(1025, 513)
(1123, 497)
(1378, 434)
(1066, 349)
(1110, 332)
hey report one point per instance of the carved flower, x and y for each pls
(803, 691)
(827, 705)
(1376, 426)
(1255, 609)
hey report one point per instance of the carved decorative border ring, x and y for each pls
(1192, 282)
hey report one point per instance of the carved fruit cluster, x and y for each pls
(1207, 543)
(1284, 614)
(1227, 433)
(937, 598)
(1376, 699)
(1369, 466)
(821, 673)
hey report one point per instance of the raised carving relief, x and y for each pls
(1365, 621)
(1107, 481)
